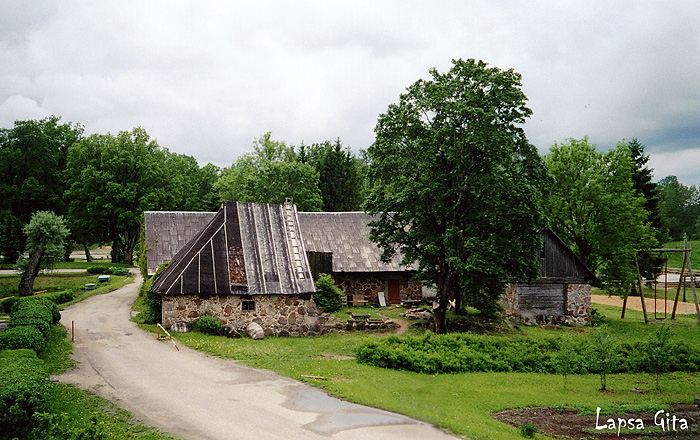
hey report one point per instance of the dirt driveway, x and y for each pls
(195, 396)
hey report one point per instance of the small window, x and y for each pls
(248, 306)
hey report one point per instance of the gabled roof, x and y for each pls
(558, 261)
(168, 232)
(246, 248)
(346, 235)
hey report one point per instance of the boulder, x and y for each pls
(181, 327)
(230, 331)
(255, 331)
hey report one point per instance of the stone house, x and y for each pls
(354, 261)
(561, 295)
(247, 264)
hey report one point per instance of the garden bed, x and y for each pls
(570, 423)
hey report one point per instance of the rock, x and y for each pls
(230, 331)
(181, 327)
(417, 313)
(255, 331)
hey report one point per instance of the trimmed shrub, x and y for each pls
(456, 353)
(328, 295)
(25, 336)
(24, 385)
(39, 306)
(99, 270)
(209, 324)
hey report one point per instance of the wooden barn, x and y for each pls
(338, 243)
(247, 264)
(561, 295)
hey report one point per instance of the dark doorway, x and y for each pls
(394, 292)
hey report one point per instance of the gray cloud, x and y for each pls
(206, 78)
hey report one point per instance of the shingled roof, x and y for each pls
(168, 232)
(346, 235)
(246, 248)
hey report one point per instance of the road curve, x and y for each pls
(195, 396)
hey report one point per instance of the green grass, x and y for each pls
(71, 264)
(460, 403)
(58, 282)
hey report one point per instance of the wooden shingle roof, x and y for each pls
(246, 248)
(168, 232)
(346, 235)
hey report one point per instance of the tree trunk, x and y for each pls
(26, 283)
(443, 298)
(88, 256)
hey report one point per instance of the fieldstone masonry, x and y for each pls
(278, 315)
(370, 285)
(577, 307)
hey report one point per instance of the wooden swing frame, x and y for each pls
(686, 263)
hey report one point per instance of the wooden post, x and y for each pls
(641, 292)
(695, 295)
(680, 282)
(624, 302)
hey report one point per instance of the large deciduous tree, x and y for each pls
(46, 236)
(271, 174)
(112, 181)
(593, 205)
(679, 206)
(32, 166)
(455, 184)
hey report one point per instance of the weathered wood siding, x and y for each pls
(542, 298)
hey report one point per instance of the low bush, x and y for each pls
(151, 300)
(457, 353)
(25, 336)
(99, 270)
(328, 295)
(209, 324)
(105, 270)
(24, 386)
(59, 297)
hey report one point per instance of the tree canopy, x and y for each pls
(680, 208)
(455, 184)
(32, 166)
(593, 206)
(271, 174)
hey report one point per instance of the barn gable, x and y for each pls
(246, 248)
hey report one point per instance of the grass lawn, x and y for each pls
(461, 403)
(74, 282)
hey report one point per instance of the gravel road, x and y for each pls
(195, 396)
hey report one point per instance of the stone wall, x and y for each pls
(279, 315)
(370, 285)
(577, 306)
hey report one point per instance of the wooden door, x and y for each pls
(394, 292)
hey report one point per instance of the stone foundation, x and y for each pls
(370, 285)
(577, 307)
(279, 315)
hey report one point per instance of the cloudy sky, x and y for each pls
(207, 78)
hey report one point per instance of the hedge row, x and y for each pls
(60, 297)
(30, 323)
(460, 353)
(24, 385)
(104, 270)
